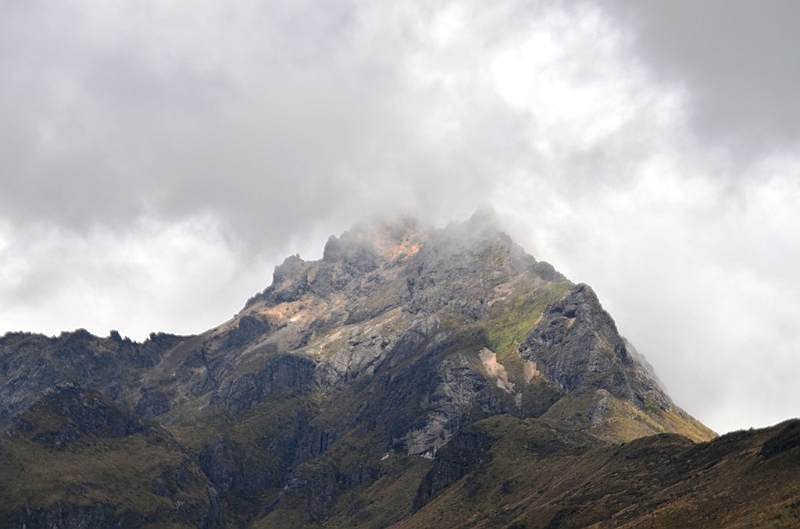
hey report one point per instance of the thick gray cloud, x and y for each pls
(738, 60)
(270, 113)
(160, 156)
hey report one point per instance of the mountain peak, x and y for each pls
(370, 361)
(382, 240)
(391, 290)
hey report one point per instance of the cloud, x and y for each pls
(54, 279)
(161, 156)
(738, 62)
(270, 114)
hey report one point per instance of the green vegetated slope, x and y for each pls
(395, 381)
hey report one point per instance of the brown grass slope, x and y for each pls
(77, 459)
(536, 475)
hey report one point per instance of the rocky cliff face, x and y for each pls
(354, 371)
(31, 363)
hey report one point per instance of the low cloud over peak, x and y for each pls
(161, 157)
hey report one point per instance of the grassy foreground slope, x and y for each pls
(533, 474)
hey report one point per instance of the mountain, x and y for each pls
(394, 381)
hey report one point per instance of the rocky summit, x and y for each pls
(412, 376)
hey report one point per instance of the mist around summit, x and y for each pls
(161, 158)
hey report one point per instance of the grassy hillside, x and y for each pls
(78, 458)
(538, 476)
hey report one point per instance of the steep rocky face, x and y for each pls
(30, 363)
(377, 296)
(354, 371)
(577, 346)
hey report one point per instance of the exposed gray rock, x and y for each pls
(644, 363)
(462, 455)
(31, 363)
(600, 407)
(463, 392)
(152, 404)
(64, 516)
(281, 373)
(577, 345)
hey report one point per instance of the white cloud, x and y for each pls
(568, 73)
(149, 276)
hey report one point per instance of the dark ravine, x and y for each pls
(356, 390)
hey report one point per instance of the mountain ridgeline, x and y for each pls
(412, 376)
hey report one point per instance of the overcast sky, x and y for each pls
(159, 157)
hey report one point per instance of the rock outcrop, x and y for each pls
(577, 346)
(32, 363)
